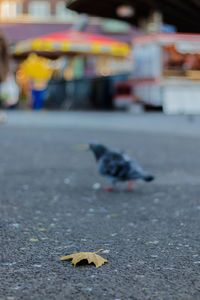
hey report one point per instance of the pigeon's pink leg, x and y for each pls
(131, 185)
(109, 188)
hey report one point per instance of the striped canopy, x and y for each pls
(73, 42)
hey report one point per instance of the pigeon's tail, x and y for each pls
(147, 177)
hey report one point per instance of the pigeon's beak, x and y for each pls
(82, 147)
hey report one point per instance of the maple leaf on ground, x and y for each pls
(91, 257)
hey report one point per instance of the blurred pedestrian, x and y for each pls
(4, 58)
(4, 68)
(9, 90)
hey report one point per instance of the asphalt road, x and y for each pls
(50, 208)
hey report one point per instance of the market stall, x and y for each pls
(167, 71)
(77, 57)
(94, 54)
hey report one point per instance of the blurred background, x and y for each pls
(119, 55)
(125, 73)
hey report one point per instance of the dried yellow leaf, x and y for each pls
(82, 147)
(91, 257)
(33, 240)
(41, 229)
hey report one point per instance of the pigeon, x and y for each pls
(116, 166)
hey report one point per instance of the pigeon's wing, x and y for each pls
(115, 164)
(120, 167)
(136, 171)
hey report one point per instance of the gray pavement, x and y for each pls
(155, 122)
(49, 208)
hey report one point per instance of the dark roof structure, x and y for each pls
(183, 14)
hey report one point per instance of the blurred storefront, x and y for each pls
(85, 68)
